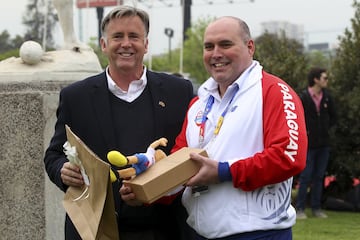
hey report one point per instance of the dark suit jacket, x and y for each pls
(85, 107)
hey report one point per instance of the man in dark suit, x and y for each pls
(124, 108)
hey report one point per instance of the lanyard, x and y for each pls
(208, 107)
(220, 121)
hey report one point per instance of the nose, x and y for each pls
(126, 42)
(216, 51)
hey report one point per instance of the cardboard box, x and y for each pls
(165, 175)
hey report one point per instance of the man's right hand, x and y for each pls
(71, 176)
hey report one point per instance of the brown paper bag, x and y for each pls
(91, 208)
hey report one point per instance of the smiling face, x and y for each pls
(228, 50)
(125, 43)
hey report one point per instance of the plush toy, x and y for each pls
(139, 162)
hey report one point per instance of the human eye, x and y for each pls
(226, 44)
(134, 36)
(208, 46)
(117, 36)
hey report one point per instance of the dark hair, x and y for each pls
(315, 72)
(125, 11)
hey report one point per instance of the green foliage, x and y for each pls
(346, 81)
(17, 42)
(165, 62)
(7, 44)
(34, 19)
(8, 54)
(97, 49)
(193, 51)
(282, 57)
(193, 66)
(320, 59)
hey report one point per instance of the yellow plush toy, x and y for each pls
(139, 162)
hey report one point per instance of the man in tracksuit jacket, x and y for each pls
(252, 126)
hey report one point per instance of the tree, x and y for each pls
(17, 41)
(9, 47)
(346, 84)
(5, 43)
(103, 60)
(193, 51)
(193, 67)
(282, 57)
(34, 19)
(161, 62)
(320, 59)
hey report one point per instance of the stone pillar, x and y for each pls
(31, 205)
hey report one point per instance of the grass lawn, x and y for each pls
(338, 226)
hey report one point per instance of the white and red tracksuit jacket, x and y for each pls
(261, 145)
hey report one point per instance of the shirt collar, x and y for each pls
(136, 87)
(313, 94)
(210, 87)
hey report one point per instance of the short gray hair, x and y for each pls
(126, 11)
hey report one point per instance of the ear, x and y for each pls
(146, 45)
(251, 47)
(103, 44)
(316, 80)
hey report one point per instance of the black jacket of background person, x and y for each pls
(85, 107)
(318, 125)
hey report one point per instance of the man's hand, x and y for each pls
(208, 173)
(128, 196)
(71, 176)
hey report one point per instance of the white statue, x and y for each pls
(66, 17)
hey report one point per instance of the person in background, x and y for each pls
(320, 116)
(124, 108)
(252, 125)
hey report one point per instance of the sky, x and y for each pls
(323, 20)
